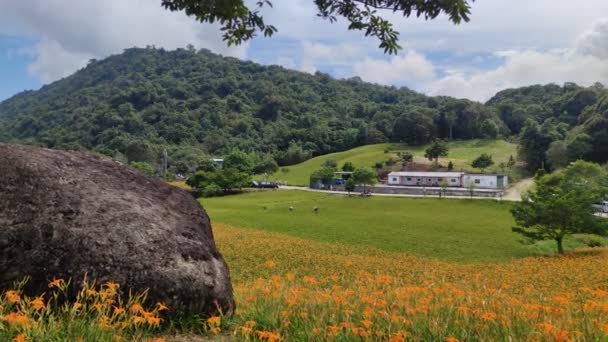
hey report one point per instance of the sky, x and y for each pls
(507, 43)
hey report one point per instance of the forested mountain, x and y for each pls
(556, 124)
(197, 103)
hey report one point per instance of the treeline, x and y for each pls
(556, 125)
(197, 104)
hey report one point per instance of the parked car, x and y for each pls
(264, 185)
(602, 206)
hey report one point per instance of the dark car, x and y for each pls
(264, 185)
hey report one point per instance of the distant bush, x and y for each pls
(348, 167)
(450, 166)
(143, 167)
(407, 157)
(332, 164)
(212, 190)
(591, 240)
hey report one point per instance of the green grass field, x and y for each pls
(454, 230)
(461, 153)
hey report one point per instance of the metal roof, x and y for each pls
(425, 174)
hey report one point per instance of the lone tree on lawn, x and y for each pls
(483, 162)
(439, 148)
(562, 204)
(240, 21)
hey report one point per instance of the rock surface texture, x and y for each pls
(70, 215)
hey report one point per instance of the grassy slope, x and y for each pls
(455, 230)
(461, 153)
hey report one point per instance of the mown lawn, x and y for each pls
(461, 153)
(453, 230)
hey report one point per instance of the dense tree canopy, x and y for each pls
(240, 22)
(196, 104)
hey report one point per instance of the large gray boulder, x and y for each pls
(70, 215)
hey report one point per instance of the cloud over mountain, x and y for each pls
(70, 32)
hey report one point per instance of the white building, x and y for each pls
(450, 179)
(485, 181)
(218, 162)
(433, 179)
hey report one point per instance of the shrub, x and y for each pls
(143, 167)
(407, 157)
(212, 190)
(348, 167)
(332, 164)
(450, 166)
(591, 240)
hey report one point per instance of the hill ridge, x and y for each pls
(197, 103)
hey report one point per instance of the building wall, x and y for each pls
(423, 181)
(484, 181)
(394, 180)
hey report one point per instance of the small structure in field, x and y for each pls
(448, 179)
(219, 162)
(485, 181)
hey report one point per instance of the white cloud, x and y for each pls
(495, 25)
(538, 41)
(595, 41)
(409, 66)
(524, 68)
(72, 31)
(585, 64)
(336, 55)
(53, 62)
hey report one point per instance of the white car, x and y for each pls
(602, 206)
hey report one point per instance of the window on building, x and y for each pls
(477, 181)
(395, 179)
(453, 180)
(430, 180)
(409, 178)
(440, 179)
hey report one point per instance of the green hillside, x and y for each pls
(196, 105)
(461, 154)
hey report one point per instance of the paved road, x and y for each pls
(512, 194)
(286, 187)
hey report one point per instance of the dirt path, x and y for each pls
(514, 192)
